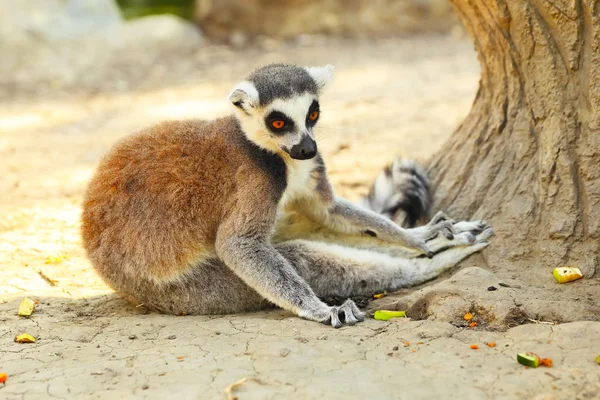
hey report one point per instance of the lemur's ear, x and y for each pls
(321, 75)
(244, 96)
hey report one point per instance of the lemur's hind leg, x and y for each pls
(334, 270)
(209, 288)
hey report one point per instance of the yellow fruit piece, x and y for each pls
(468, 316)
(384, 315)
(598, 359)
(24, 338)
(57, 259)
(379, 295)
(26, 307)
(566, 274)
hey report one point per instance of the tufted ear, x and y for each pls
(244, 96)
(321, 75)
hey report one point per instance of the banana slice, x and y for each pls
(384, 315)
(24, 338)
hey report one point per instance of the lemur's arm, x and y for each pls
(342, 216)
(243, 244)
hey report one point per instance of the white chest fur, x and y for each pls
(300, 181)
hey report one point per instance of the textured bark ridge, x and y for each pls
(527, 157)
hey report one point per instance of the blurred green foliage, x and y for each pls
(140, 8)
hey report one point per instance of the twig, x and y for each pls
(47, 277)
(229, 390)
(535, 321)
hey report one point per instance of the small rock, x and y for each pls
(395, 348)
(492, 288)
(145, 387)
(132, 337)
(171, 337)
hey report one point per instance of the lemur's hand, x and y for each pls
(439, 224)
(331, 314)
(418, 243)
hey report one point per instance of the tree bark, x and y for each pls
(527, 156)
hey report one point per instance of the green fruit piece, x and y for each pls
(598, 359)
(384, 315)
(529, 359)
(566, 274)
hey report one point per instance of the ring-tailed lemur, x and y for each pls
(196, 217)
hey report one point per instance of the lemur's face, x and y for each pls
(278, 108)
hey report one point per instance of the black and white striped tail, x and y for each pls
(401, 193)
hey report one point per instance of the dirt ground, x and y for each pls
(389, 97)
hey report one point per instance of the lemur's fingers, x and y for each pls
(465, 238)
(438, 217)
(335, 318)
(425, 249)
(447, 229)
(350, 311)
(352, 314)
(485, 235)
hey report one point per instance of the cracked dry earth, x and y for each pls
(390, 97)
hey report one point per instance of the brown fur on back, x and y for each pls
(154, 207)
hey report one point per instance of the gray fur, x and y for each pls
(281, 81)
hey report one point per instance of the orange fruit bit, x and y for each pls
(180, 358)
(406, 344)
(473, 324)
(546, 362)
(491, 344)
(36, 301)
(419, 342)
(474, 347)
(3, 377)
(468, 316)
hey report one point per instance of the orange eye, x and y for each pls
(277, 124)
(313, 115)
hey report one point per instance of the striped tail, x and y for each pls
(401, 193)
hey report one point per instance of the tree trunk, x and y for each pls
(527, 156)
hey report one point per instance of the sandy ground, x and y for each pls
(390, 97)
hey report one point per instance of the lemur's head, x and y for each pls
(278, 107)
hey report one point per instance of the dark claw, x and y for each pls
(430, 254)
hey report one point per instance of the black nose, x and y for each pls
(306, 149)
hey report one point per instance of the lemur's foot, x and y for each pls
(469, 233)
(475, 227)
(331, 315)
